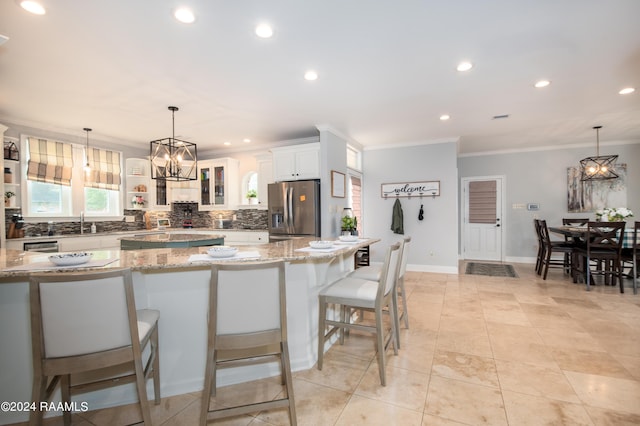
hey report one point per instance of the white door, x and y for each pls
(482, 220)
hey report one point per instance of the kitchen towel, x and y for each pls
(397, 225)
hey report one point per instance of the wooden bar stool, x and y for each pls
(87, 321)
(247, 326)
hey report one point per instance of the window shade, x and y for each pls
(105, 169)
(49, 161)
(482, 201)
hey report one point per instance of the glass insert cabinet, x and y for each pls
(218, 181)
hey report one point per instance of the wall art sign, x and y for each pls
(411, 189)
(337, 184)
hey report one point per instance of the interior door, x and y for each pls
(483, 228)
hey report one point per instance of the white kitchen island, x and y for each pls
(166, 279)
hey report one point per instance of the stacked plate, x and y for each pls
(70, 259)
(320, 244)
(222, 251)
(348, 238)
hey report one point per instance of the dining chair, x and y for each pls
(568, 258)
(372, 273)
(356, 293)
(603, 246)
(540, 254)
(552, 247)
(85, 321)
(630, 255)
(247, 326)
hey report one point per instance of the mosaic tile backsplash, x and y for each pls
(234, 219)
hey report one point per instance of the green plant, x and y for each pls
(252, 193)
(349, 223)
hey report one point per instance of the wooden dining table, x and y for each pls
(580, 232)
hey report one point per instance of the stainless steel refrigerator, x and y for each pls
(294, 209)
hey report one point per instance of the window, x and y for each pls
(58, 186)
(354, 158)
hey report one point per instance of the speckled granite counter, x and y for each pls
(166, 279)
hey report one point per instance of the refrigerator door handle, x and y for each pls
(290, 208)
(285, 219)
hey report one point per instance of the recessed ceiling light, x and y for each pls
(310, 75)
(227, 143)
(444, 117)
(32, 7)
(464, 66)
(542, 83)
(627, 90)
(246, 140)
(264, 31)
(184, 15)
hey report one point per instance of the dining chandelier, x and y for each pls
(173, 159)
(600, 167)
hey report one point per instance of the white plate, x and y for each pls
(222, 251)
(348, 238)
(69, 259)
(321, 244)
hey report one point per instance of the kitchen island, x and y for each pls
(170, 240)
(176, 282)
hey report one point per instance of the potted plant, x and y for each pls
(349, 225)
(252, 196)
(7, 198)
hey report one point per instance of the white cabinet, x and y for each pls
(296, 162)
(137, 184)
(265, 177)
(219, 187)
(12, 184)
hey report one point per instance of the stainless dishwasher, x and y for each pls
(42, 246)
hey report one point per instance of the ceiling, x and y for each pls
(387, 71)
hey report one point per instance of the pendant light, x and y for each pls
(87, 167)
(600, 167)
(173, 159)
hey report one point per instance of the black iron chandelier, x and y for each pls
(600, 167)
(173, 159)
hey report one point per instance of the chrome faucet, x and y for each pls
(82, 222)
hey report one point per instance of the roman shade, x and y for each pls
(105, 169)
(49, 161)
(482, 202)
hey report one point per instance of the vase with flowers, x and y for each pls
(613, 214)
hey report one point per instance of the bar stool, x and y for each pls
(356, 293)
(247, 326)
(87, 321)
(372, 273)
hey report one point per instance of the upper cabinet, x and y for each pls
(218, 184)
(12, 192)
(296, 162)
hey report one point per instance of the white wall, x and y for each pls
(333, 156)
(435, 239)
(541, 177)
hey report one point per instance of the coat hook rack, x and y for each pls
(409, 189)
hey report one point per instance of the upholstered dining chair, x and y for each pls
(86, 321)
(603, 246)
(247, 326)
(631, 255)
(356, 293)
(551, 248)
(372, 273)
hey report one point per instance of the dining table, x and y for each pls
(580, 232)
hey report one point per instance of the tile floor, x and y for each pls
(480, 350)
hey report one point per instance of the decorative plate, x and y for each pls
(348, 238)
(222, 251)
(320, 244)
(69, 259)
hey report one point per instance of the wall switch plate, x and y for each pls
(129, 218)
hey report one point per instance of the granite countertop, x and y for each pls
(170, 237)
(135, 232)
(296, 250)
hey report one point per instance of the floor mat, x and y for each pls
(490, 269)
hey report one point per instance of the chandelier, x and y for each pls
(600, 167)
(173, 159)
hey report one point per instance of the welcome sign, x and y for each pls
(411, 189)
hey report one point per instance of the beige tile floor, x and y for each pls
(480, 350)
